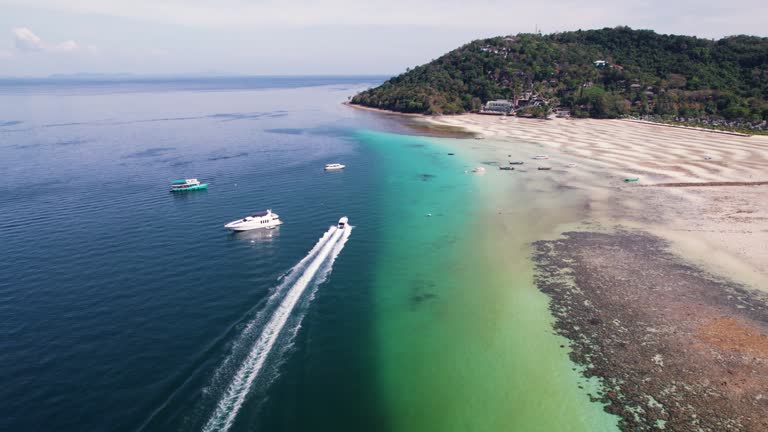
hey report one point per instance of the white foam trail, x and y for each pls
(230, 404)
(335, 253)
(325, 270)
(291, 275)
(284, 280)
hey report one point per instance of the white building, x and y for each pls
(500, 106)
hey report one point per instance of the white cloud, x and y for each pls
(26, 40)
(66, 46)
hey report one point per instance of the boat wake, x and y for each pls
(310, 271)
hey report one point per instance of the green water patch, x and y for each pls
(464, 340)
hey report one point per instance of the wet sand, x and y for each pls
(708, 194)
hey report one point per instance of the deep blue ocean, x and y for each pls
(126, 308)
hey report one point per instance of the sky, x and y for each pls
(306, 37)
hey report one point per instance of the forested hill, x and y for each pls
(644, 73)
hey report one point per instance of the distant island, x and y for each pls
(607, 73)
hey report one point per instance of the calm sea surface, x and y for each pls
(121, 303)
(126, 308)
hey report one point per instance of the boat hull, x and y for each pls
(241, 229)
(191, 188)
(250, 227)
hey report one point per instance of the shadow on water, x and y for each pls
(188, 195)
(223, 156)
(150, 152)
(422, 291)
(255, 236)
(71, 142)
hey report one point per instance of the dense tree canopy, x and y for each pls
(645, 73)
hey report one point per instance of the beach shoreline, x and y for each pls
(437, 119)
(699, 209)
(382, 111)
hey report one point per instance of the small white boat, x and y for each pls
(334, 166)
(571, 165)
(343, 222)
(541, 157)
(478, 170)
(265, 219)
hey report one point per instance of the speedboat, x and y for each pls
(265, 219)
(343, 222)
(183, 185)
(541, 157)
(334, 166)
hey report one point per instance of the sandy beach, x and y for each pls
(679, 259)
(702, 191)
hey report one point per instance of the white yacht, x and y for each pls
(265, 219)
(541, 157)
(334, 166)
(343, 222)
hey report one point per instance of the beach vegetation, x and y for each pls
(644, 74)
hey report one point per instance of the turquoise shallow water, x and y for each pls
(464, 339)
(124, 307)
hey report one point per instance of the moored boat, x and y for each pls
(265, 219)
(478, 170)
(334, 166)
(631, 179)
(545, 168)
(183, 185)
(516, 162)
(541, 157)
(507, 168)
